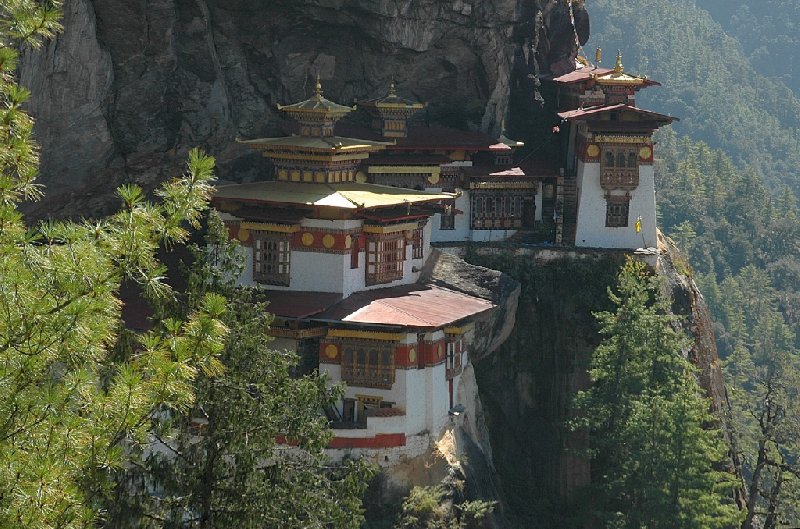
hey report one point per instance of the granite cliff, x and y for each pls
(128, 87)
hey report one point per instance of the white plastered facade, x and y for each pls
(591, 229)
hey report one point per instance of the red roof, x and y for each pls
(418, 306)
(580, 75)
(526, 168)
(499, 147)
(407, 159)
(583, 113)
(422, 138)
(296, 304)
(514, 171)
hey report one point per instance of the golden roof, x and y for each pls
(346, 195)
(618, 77)
(317, 104)
(393, 101)
(316, 143)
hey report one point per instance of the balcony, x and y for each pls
(619, 178)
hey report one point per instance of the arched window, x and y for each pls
(632, 159)
(609, 159)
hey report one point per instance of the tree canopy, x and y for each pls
(654, 455)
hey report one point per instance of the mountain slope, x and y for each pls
(708, 82)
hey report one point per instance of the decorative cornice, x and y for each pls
(366, 335)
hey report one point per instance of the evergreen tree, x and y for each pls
(220, 463)
(68, 405)
(652, 449)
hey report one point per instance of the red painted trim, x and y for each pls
(389, 440)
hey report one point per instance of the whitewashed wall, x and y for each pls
(591, 222)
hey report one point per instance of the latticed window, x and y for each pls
(271, 256)
(496, 210)
(619, 168)
(620, 157)
(368, 364)
(617, 210)
(385, 257)
(417, 241)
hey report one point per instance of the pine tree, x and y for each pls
(68, 406)
(654, 455)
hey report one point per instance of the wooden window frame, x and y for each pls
(618, 211)
(272, 255)
(368, 364)
(496, 210)
(418, 243)
(385, 259)
(455, 351)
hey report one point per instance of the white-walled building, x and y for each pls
(340, 261)
(609, 157)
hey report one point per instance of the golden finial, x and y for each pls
(318, 87)
(392, 89)
(598, 56)
(618, 68)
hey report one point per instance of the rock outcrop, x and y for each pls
(526, 386)
(130, 86)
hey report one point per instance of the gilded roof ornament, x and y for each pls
(318, 87)
(618, 67)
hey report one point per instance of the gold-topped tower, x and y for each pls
(316, 155)
(390, 114)
(316, 115)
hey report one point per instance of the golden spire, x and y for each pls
(392, 89)
(598, 56)
(318, 87)
(618, 68)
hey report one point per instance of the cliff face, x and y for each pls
(130, 86)
(527, 385)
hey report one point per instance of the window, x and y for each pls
(495, 210)
(454, 354)
(619, 167)
(354, 251)
(271, 255)
(416, 240)
(617, 209)
(368, 364)
(385, 257)
(448, 219)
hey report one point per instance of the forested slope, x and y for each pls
(744, 248)
(708, 82)
(767, 32)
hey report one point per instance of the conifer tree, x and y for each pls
(68, 405)
(653, 453)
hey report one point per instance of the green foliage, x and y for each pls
(431, 508)
(652, 450)
(744, 245)
(219, 464)
(709, 83)
(68, 406)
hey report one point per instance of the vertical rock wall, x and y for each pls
(130, 86)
